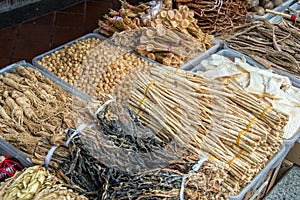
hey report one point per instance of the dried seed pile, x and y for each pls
(169, 47)
(34, 112)
(199, 113)
(66, 63)
(37, 183)
(106, 67)
(122, 159)
(217, 17)
(274, 46)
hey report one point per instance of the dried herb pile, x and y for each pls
(37, 183)
(218, 17)
(34, 113)
(274, 46)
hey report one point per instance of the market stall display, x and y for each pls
(188, 108)
(136, 158)
(66, 61)
(268, 86)
(151, 131)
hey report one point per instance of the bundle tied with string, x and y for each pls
(167, 46)
(151, 15)
(232, 125)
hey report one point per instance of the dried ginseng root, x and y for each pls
(34, 112)
(38, 184)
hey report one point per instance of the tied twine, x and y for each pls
(242, 132)
(240, 153)
(263, 114)
(170, 48)
(195, 168)
(169, 74)
(182, 42)
(54, 147)
(144, 98)
(249, 126)
(293, 17)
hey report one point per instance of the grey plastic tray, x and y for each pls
(194, 62)
(8, 149)
(276, 19)
(258, 180)
(230, 53)
(280, 8)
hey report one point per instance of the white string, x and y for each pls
(195, 168)
(49, 156)
(103, 106)
(78, 130)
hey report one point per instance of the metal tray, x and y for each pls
(257, 181)
(276, 19)
(280, 8)
(190, 65)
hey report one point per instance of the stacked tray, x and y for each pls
(280, 8)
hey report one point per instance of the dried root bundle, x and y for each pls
(199, 113)
(136, 17)
(169, 47)
(274, 46)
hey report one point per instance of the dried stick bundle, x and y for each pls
(136, 17)
(197, 112)
(166, 46)
(219, 17)
(34, 113)
(274, 46)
